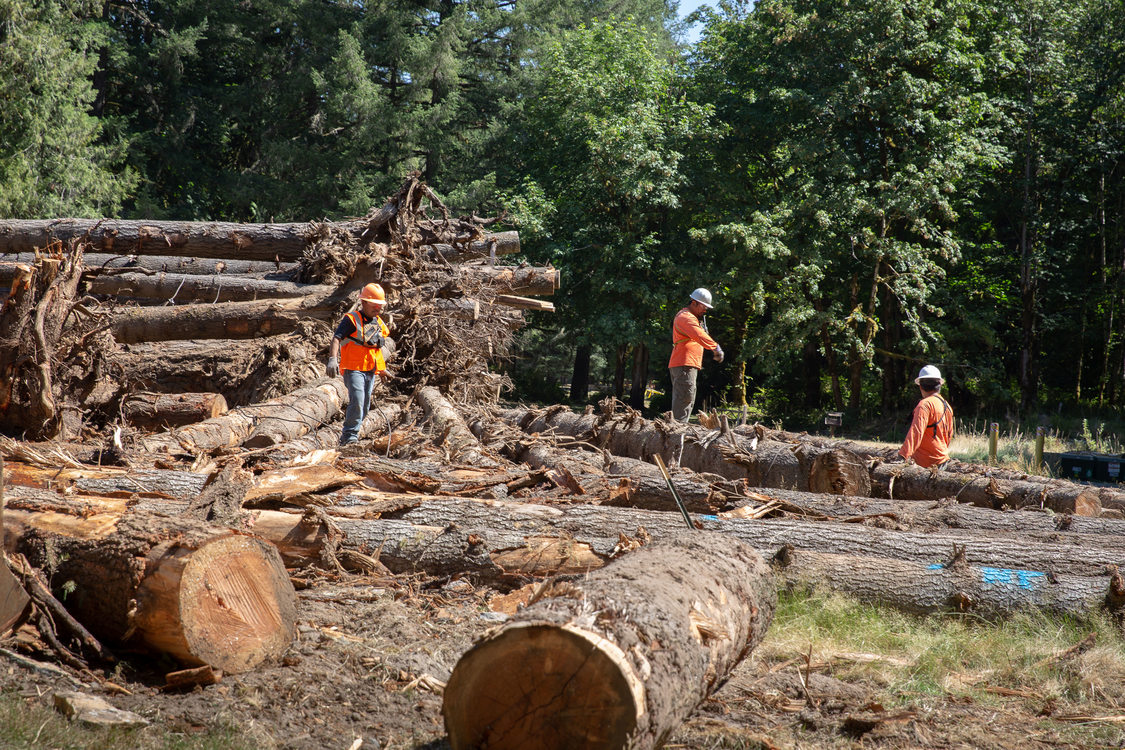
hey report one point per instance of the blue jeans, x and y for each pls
(360, 384)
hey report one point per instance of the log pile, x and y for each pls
(186, 472)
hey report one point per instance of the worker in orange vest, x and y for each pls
(689, 339)
(357, 352)
(931, 427)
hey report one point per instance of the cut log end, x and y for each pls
(228, 604)
(560, 687)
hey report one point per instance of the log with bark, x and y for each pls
(245, 371)
(267, 423)
(505, 543)
(202, 594)
(106, 263)
(281, 243)
(762, 464)
(224, 320)
(162, 411)
(527, 281)
(992, 592)
(619, 659)
(460, 443)
(185, 289)
(13, 597)
(920, 515)
(501, 541)
(915, 483)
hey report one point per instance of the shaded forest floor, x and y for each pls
(372, 655)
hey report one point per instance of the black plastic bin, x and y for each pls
(1092, 467)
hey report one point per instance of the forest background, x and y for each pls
(865, 186)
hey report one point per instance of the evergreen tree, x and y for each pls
(56, 159)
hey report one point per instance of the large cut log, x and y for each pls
(202, 594)
(499, 541)
(505, 543)
(529, 281)
(224, 320)
(915, 483)
(162, 411)
(306, 409)
(497, 243)
(618, 660)
(295, 413)
(261, 242)
(921, 515)
(108, 480)
(762, 464)
(245, 371)
(186, 289)
(456, 437)
(990, 592)
(13, 597)
(283, 243)
(106, 263)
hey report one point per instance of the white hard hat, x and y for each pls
(928, 372)
(703, 297)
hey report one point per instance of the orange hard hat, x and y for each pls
(373, 293)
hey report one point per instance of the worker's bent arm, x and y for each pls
(334, 348)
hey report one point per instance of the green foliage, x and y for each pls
(600, 141)
(56, 158)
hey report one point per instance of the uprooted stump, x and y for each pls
(619, 660)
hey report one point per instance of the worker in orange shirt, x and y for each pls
(357, 352)
(931, 428)
(689, 339)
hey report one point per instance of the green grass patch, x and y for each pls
(909, 657)
(28, 723)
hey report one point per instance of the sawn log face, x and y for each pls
(620, 659)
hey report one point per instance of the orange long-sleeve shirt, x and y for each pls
(689, 340)
(931, 430)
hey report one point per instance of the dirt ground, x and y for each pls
(371, 657)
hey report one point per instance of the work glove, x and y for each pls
(719, 354)
(333, 367)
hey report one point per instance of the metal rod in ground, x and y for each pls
(675, 495)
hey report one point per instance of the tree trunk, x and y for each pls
(201, 594)
(497, 243)
(13, 598)
(282, 243)
(256, 425)
(923, 588)
(619, 371)
(186, 289)
(460, 443)
(162, 411)
(260, 242)
(915, 483)
(245, 371)
(529, 281)
(913, 515)
(762, 464)
(225, 320)
(640, 376)
(673, 622)
(580, 375)
(496, 541)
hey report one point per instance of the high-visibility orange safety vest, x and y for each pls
(688, 341)
(931, 431)
(362, 348)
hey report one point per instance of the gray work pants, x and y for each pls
(683, 391)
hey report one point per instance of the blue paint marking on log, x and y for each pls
(1024, 579)
(709, 518)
